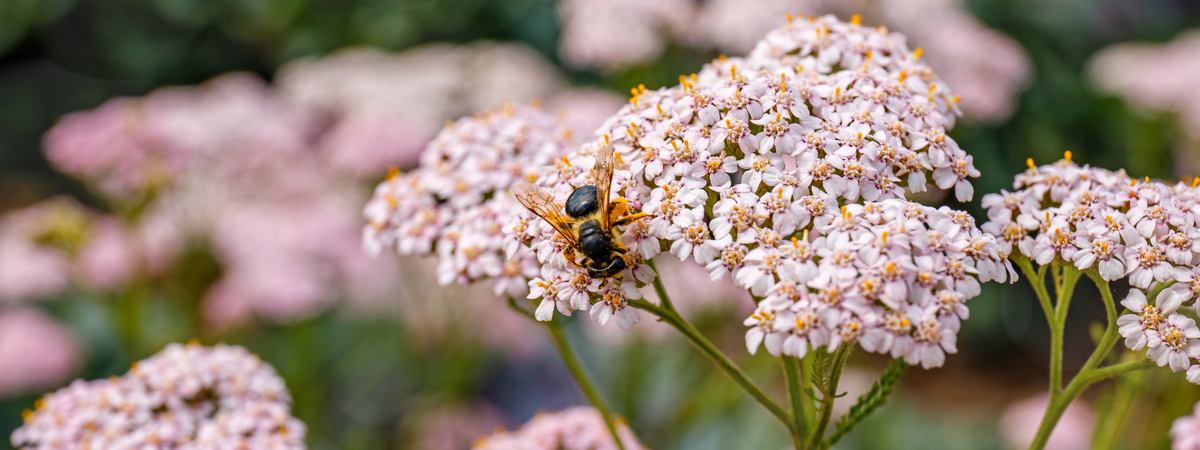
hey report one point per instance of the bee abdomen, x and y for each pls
(582, 202)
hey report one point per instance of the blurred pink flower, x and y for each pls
(35, 352)
(1185, 431)
(1021, 420)
(109, 257)
(615, 34)
(28, 271)
(1154, 77)
(454, 427)
(365, 143)
(585, 109)
(31, 269)
(578, 428)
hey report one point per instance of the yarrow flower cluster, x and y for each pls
(824, 127)
(578, 428)
(456, 204)
(185, 397)
(1145, 230)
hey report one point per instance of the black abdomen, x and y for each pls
(582, 202)
(592, 241)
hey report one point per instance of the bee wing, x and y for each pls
(540, 203)
(604, 175)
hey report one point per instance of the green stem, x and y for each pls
(1109, 426)
(793, 370)
(1089, 374)
(1038, 280)
(575, 366)
(732, 370)
(1111, 330)
(830, 394)
(1066, 288)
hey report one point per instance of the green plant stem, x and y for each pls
(829, 395)
(1109, 426)
(1038, 280)
(1066, 284)
(723, 362)
(575, 366)
(793, 370)
(1060, 398)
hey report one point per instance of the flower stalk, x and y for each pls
(1065, 278)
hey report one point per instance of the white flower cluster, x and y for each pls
(891, 276)
(1145, 230)
(822, 128)
(578, 428)
(185, 397)
(456, 203)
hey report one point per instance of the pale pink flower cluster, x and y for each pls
(577, 428)
(1145, 230)
(820, 129)
(185, 397)
(1155, 77)
(1185, 431)
(985, 66)
(456, 204)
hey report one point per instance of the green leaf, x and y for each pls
(869, 402)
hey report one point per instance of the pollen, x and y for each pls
(789, 18)
(1195, 182)
(932, 88)
(782, 81)
(884, 237)
(918, 52)
(956, 99)
(606, 140)
(694, 80)
(659, 109)
(1029, 162)
(641, 88)
(1067, 155)
(733, 71)
(568, 162)
(869, 53)
(722, 57)
(393, 172)
(903, 75)
(856, 19)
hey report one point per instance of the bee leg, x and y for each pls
(569, 253)
(629, 219)
(618, 208)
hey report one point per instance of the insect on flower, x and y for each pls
(589, 224)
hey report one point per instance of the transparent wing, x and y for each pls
(604, 174)
(540, 203)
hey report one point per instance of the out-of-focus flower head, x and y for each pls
(1185, 431)
(456, 203)
(578, 428)
(1154, 77)
(35, 352)
(787, 170)
(385, 107)
(186, 397)
(1122, 227)
(1021, 420)
(614, 34)
(241, 175)
(48, 246)
(985, 66)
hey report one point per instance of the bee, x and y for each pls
(590, 219)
